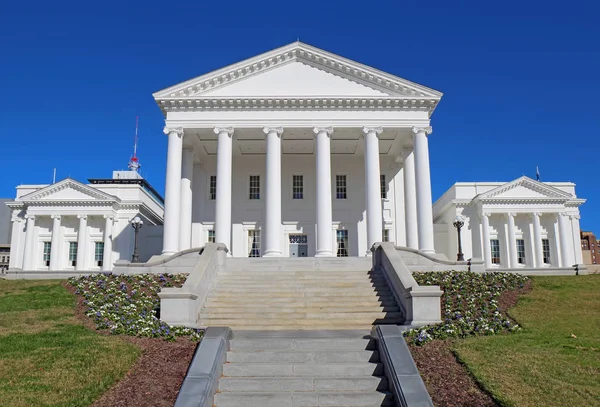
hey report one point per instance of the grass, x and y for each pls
(47, 357)
(555, 359)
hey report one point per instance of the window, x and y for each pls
(212, 189)
(73, 253)
(99, 253)
(298, 187)
(546, 250)
(340, 187)
(254, 192)
(520, 251)
(495, 245)
(342, 243)
(385, 235)
(383, 186)
(46, 253)
(211, 236)
(254, 243)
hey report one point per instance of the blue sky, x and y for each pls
(520, 79)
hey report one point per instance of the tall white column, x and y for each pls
(578, 256)
(324, 205)
(423, 188)
(566, 246)
(223, 201)
(107, 238)
(373, 186)
(273, 193)
(399, 220)
(172, 190)
(512, 241)
(410, 200)
(28, 252)
(537, 240)
(81, 243)
(185, 211)
(487, 248)
(16, 244)
(55, 243)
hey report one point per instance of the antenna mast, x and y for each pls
(134, 165)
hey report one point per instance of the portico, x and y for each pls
(272, 161)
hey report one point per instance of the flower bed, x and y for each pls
(128, 304)
(469, 304)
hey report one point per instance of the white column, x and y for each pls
(485, 236)
(185, 204)
(107, 238)
(537, 240)
(172, 190)
(55, 243)
(373, 186)
(410, 200)
(324, 206)
(423, 188)
(512, 241)
(223, 201)
(28, 252)
(81, 243)
(399, 218)
(578, 256)
(566, 251)
(273, 193)
(16, 246)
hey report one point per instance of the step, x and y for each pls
(301, 369)
(307, 290)
(263, 356)
(298, 284)
(279, 294)
(303, 399)
(307, 344)
(301, 308)
(253, 273)
(322, 314)
(299, 276)
(314, 302)
(297, 384)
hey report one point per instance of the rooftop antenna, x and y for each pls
(134, 165)
(54, 177)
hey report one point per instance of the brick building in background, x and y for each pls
(589, 248)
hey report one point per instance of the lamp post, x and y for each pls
(459, 222)
(136, 224)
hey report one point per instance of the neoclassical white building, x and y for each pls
(69, 226)
(298, 152)
(523, 224)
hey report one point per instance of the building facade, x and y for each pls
(297, 152)
(589, 248)
(71, 226)
(519, 224)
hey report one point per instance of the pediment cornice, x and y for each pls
(549, 193)
(44, 195)
(398, 93)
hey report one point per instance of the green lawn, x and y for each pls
(544, 365)
(47, 357)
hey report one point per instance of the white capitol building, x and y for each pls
(298, 153)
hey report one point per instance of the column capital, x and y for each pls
(565, 214)
(84, 217)
(57, 217)
(276, 130)
(536, 214)
(427, 130)
(377, 130)
(485, 215)
(178, 130)
(111, 217)
(227, 130)
(574, 217)
(510, 214)
(327, 130)
(28, 216)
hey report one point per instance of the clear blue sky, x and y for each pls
(520, 79)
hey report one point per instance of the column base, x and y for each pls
(168, 253)
(272, 253)
(429, 251)
(324, 254)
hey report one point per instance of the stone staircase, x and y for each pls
(277, 294)
(302, 369)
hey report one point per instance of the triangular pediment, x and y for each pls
(294, 71)
(525, 188)
(68, 190)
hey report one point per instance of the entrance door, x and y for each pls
(298, 246)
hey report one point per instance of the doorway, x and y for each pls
(298, 245)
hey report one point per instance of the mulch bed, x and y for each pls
(156, 377)
(447, 380)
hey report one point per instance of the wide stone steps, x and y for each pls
(302, 302)
(323, 314)
(298, 369)
(302, 308)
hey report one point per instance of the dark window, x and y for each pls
(342, 243)
(340, 187)
(254, 192)
(520, 251)
(495, 245)
(298, 187)
(383, 186)
(212, 189)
